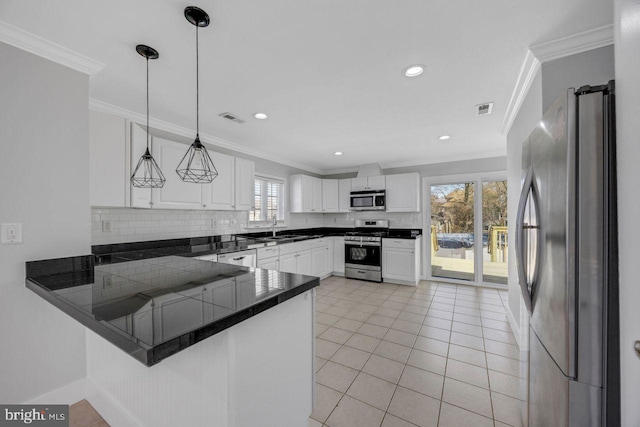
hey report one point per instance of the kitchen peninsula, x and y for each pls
(244, 337)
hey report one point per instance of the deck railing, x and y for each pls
(498, 244)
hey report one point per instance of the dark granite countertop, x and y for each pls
(201, 246)
(155, 306)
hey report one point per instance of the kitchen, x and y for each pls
(70, 198)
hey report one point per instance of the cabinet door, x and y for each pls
(268, 263)
(344, 196)
(288, 263)
(220, 194)
(359, 184)
(376, 182)
(307, 193)
(303, 262)
(316, 205)
(338, 254)
(140, 197)
(403, 192)
(244, 184)
(176, 194)
(398, 264)
(330, 195)
(319, 259)
(108, 178)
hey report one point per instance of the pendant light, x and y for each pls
(196, 165)
(147, 173)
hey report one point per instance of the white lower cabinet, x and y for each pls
(288, 263)
(338, 255)
(269, 263)
(401, 261)
(310, 257)
(303, 263)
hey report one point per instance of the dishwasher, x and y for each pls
(246, 258)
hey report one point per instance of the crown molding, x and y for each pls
(528, 71)
(44, 48)
(548, 51)
(573, 44)
(103, 107)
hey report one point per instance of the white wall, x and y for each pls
(593, 67)
(44, 171)
(527, 118)
(627, 46)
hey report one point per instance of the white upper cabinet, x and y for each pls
(403, 192)
(140, 197)
(305, 194)
(245, 170)
(344, 203)
(330, 195)
(108, 178)
(368, 183)
(220, 194)
(176, 194)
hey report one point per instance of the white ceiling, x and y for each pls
(328, 73)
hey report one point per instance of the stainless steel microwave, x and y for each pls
(368, 200)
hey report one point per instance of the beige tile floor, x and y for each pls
(82, 414)
(399, 356)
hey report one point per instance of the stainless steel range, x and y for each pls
(363, 250)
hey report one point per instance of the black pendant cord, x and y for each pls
(148, 137)
(197, 87)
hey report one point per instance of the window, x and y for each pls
(268, 200)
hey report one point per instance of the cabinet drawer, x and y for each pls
(324, 241)
(268, 252)
(399, 243)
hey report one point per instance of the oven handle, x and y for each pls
(360, 244)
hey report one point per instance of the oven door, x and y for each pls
(358, 255)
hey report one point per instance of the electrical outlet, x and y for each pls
(11, 234)
(214, 223)
(107, 282)
(106, 226)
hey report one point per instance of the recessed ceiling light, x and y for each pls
(414, 70)
(444, 137)
(338, 153)
(260, 116)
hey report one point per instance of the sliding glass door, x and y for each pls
(494, 232)
(452, 231)
(468, 225)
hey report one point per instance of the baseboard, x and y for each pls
(68, 394)
(514, 326)
(112, 412)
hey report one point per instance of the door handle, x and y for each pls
(520, 246)
(636, 347)
(238, 258)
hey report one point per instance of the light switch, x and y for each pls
(11, 233)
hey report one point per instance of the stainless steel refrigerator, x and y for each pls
(567, 261)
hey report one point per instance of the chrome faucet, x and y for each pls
(273, 225)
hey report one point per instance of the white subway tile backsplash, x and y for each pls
(132, 225)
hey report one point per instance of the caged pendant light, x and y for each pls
(196, 165)
(147, 173)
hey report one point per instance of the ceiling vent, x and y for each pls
(484, 109)
(231, 117)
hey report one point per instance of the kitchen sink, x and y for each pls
(286, 237)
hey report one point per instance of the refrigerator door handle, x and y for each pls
(520, 241)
